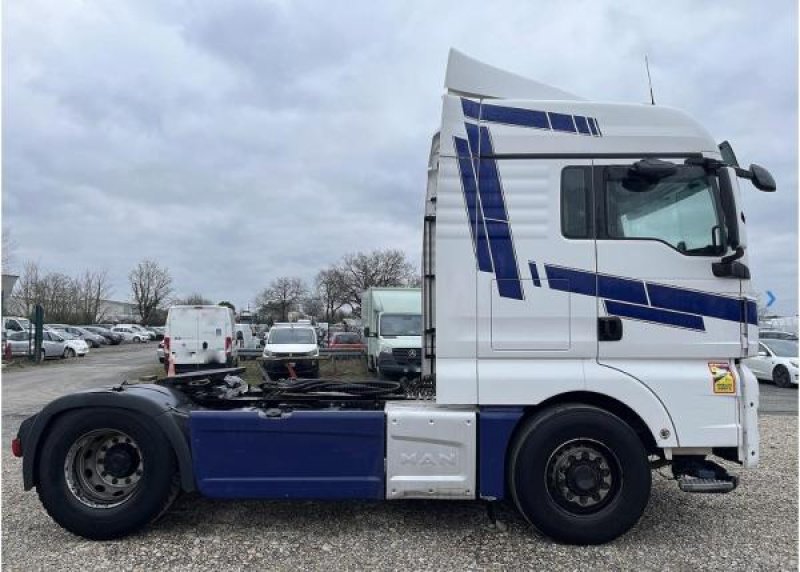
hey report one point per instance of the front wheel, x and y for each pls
(104, 473)
(69, 353)
(781, 377)
(579, 474)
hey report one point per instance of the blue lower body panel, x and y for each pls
(299, 455)
(495, 427)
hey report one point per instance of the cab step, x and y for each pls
(702, 476)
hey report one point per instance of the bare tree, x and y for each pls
(388, 267)
(91, 288)
(332, 290)
(280, 296)
(193, 299)
(151, 285)
(27, 291)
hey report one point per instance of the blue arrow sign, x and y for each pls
(770, 298)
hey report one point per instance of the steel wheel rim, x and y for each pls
(103, 468)
(583, 476)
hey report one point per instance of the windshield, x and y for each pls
(679, 210)
(393, 325)
(783, 348)
(292, 336)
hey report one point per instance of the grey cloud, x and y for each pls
(238, 141)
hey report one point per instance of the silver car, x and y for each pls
(52, 344)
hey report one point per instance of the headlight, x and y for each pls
(386, 351)
(314, 352)
(794, 363)
(267, 353)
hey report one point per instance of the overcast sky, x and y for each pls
(235, 141)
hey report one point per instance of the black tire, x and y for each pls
(69, 353)
(781, 377)
(153, 494)
(556, 445)
(315, 372)
(43, 354)
(371, 365)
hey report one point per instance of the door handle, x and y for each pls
(609, 329)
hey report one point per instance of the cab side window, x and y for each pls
(576, 202)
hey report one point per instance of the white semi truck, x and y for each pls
(586, 305)
(392, 321)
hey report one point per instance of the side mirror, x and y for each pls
(366, 332)
(763, 354)
(762, 179)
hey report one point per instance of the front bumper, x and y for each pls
(277, 368)
(391, 367)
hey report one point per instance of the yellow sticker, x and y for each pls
(722, 377)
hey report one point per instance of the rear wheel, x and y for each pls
(579, 474)
(780, 376)
(104, 473)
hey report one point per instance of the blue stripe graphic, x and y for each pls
(561, 122)
(535, 274)
(476, 226)
(648, 314)
(514, 116)
(623, 289)
(496, 220)
(706, 304)
(505, 263)
(533, 118)
(570, 280)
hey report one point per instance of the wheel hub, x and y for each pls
(582, 476)
(103, 468)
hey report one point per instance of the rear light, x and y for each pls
(166, 343)
(228, 344)
(16, 447)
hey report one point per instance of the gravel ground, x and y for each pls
(753, 528)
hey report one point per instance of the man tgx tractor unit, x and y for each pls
(586, 304)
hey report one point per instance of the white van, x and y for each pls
(200, 337)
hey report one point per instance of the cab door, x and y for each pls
(656, 243)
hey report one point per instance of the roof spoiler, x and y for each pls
(471, 78)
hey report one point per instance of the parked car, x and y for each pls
(347, 341)
(157, 331)
(776, 361)
(130, 335)
(73, 345)
(112, 338)
(292, 345)
(16, 324)
(92, 339)
(143, 332)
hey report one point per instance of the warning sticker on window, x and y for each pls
(722, 377)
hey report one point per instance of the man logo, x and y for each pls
(412, 353)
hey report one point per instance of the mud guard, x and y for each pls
(166, 408)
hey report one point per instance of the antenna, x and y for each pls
(649, 81)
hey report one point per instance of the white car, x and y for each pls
(130, 335)
(145, 335)
(73, 345)
(776, 361)
(291, 345)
